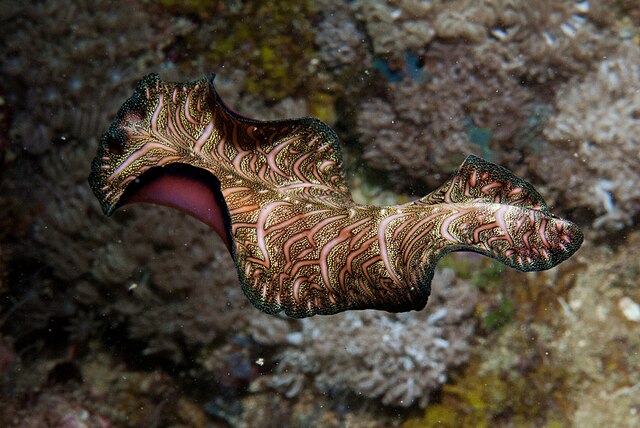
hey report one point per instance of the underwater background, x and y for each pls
(138, 320)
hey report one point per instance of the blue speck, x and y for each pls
(480, 137)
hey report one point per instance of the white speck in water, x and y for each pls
(440, 343)
(577, 21)
(568, 29)
(499, 33)
(630, 309)
(575, 304)
(437, 316)
(548, 38)
(295, 338)
(582, 6)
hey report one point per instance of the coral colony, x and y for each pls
(276, 194)
(549, 89)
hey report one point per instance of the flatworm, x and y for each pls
(276, 193)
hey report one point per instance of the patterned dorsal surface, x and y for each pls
(299, 242)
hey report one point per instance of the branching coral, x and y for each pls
(536, 40)
(593, 140)
(600, 346)
(475, 88)
(396, 26)
(55, 86)
(184, 289)
(271, 40)
(484, 67)
(419, 130)
(397, 358)
(339, 40)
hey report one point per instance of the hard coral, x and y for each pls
(399, 359)
(396, 26)
(612, 364)
(538, 41)
(418, 130)
(183, 288)
(272, 40)
(67, 86)
(593, 141)
(340, 42)
(57, 410)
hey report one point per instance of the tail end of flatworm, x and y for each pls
(518, 229)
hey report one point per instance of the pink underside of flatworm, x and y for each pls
(187, 195)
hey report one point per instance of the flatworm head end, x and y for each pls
(107, 178)
(150, 152)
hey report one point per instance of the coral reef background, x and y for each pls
(138, 320)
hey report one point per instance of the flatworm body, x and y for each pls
(276, 194)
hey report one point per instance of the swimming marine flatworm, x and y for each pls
(276, 194)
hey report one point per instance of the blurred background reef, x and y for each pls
(548, 88)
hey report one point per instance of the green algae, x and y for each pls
(486, 274)
(500, 316)
(496, 307)
(322, 106)
(273, 42)
(516, 377)
(534, 395)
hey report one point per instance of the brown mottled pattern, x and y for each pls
(299, 242)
